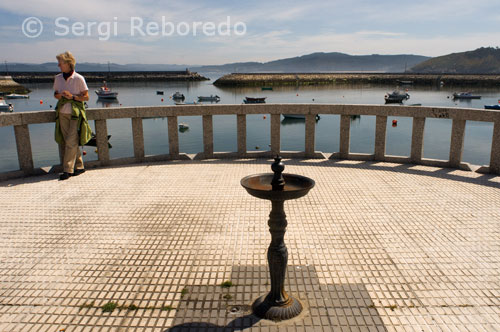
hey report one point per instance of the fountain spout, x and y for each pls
(278, 183)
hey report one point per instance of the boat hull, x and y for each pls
(492, 107)
(112, 95)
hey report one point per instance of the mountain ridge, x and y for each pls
(314, 62)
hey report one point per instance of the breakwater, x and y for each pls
(278, 79)
(118, 76)
(8, 85)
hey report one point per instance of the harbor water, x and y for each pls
(477, 144)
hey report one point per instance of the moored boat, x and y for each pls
(465, 95)
(159, 92)
(178, 96)
(298, 116)
(252, 100)
(267, 88)
(396, 97)
(492, 107)
(16, 96)
(209, 98)
(4, 107)
(105, 93)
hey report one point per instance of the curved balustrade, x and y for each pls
(21, 121)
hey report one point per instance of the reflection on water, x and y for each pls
(437, 133)
(102, 102)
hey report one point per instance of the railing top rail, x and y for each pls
(472, 114)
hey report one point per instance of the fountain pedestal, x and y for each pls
(277, 187)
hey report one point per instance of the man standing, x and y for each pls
(72, 129)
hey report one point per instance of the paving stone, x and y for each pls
(373, 247)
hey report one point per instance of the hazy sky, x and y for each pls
(216, 32)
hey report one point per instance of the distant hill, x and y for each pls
(484, 60)
(90, 67)
(324, 62)
(315, 62)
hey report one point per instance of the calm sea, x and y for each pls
(477, 144)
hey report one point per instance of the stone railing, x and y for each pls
(21, 121)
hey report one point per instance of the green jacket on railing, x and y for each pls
(78, 113)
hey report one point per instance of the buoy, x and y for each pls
(95, 150)
(120, 104)
(50, 106)
(256, 148)
(394, 123)
(84, 152)
(313, 99)
(162, 100)
(41, 102)
(297, 94)
(264, 117)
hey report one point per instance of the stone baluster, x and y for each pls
(275, 133)
(417, 140)
(208, 136)
(138, 137)
(495, 149)
(101, 132)
(345, 135)
(173, 137)
(380, 137)
(23, 144)
(242, 134)
(457, 142)
(310, 135)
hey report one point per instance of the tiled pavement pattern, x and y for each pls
(373, 247)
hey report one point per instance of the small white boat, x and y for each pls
(178, 96)
(105, 93)
(4, 107)
(183, 127)
(16, 96)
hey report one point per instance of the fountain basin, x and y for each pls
(259, 185)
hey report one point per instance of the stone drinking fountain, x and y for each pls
(277, 187)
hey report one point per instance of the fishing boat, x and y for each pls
(251, 100)
(209, 98)
(105, 93)
(492, 107)
(178, 96)
(465, 95)
(16, 96)
(396, 97)
(4, 107)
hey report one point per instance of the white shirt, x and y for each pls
(75, 84)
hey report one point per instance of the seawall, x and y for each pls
(8, 85)
(276, 79)
(128, 76)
